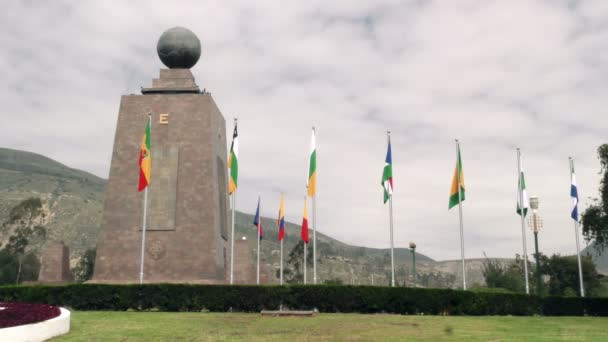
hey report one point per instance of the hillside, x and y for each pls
(73, 202)
(72, 198)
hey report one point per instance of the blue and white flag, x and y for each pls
(573, 193)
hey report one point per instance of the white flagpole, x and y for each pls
(232, 228)
(523, 221)
(259, 224)
(305, 248)
(578, 248)
(314, 218)
(281, 262)
(143, 228)
(458, 167)
(143, 238)
(232, 239)
(390, 211)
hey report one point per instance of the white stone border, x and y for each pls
(38, 331)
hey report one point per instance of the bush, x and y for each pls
(325, 298)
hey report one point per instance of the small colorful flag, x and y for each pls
(522, 192)
(257, 221)
(387, 174)
(574, 194)
(458, 174)
(233, 162)
(304, 233)
(281, 220)
(312, 168)
(145, 158)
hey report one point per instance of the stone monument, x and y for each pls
(55, 263)
(187, 216)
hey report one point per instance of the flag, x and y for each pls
(257, 221)
(233, 162)
(312, 168)
(387, 174)
(145, 158)
(522, 192)
(281, 220)
(574, 194)
(458, 174)
(304, 233)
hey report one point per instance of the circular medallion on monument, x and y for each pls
(156, 249)
(179, 48)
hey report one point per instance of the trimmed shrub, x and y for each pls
(325, 298)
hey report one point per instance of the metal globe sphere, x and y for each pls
(179, 48)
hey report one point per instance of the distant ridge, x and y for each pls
(29, 162)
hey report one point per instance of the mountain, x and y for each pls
(72, 199)
(72, 203)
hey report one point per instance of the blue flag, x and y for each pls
(257, 221)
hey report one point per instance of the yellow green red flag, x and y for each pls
(145, 158)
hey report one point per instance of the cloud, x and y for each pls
(494, 74)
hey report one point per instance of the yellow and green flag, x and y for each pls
(458, 178)
(145, 158)
(312, 169)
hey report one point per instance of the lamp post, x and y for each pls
(413, 249)
(536, 223)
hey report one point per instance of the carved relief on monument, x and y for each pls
(156, 249)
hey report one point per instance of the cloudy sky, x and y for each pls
(495, 74)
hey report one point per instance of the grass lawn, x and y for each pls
(183, 326)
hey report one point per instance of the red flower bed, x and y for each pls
(13, 314)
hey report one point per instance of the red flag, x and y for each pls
(304, 233)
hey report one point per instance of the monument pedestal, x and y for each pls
(187, 223)
(55, 263)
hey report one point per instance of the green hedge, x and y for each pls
(326, 298)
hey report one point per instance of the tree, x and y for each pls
(17, 245)
(85, 267)
(293, 272)
(508, 276)
(14, 269)
(19, 261)
(595, 218)
(563, 274)
(503, 276)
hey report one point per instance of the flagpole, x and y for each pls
(281, 261)
(143, 239)
(314, 222)
(232, 228)
(143, 228)
(232, 240)
(578, 248)
(259, 224)
(523, 221)
(390, 214)
(305, 248)
(458, 168)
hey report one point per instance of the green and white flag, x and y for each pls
(522, 192)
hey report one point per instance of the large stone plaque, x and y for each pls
(162, 196)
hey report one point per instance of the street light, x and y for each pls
(413, 248)
(536, 223)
